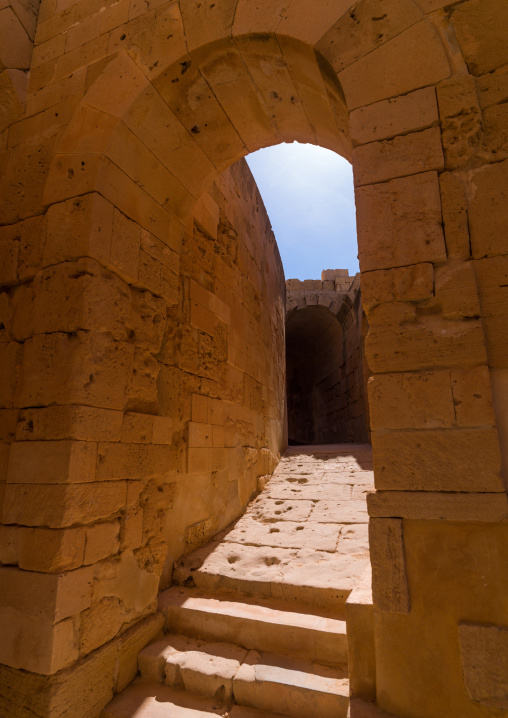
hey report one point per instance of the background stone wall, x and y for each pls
(326, 371)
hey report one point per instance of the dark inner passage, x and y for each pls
(325, 394)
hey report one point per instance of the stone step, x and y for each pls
(146, 700)
(299, 577)
(291, 687)
(150, 700)
(229, 674)
(206, 669)
(264, 626)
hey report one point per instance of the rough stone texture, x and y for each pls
(484, 651)
(389, 580)
(130, 112)
(314, 560)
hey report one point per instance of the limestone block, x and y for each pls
(11, 106)
(162, 430)
(488, 209)
(399, 341)
(101, 541)
(397, 116)
(145, 36)
(10, 367)
(480, 27)
(131, 534)
(411, 60)
(124, 249)
(495, 134)
(416, 400)
(133, 461)
(405, 284)
(33, 238)
(360, 635)
(456, 292)
(50, 550)
(52, 462)
(49, 50)
(492, 88)
(438, 506)
(389, 580)
(408, 209)
(36, 644)
(472, 397)
(9, 249)
(79, 227)
(371, 24)
(46, 595)
(146, 322)
(10, 543)
(100, 623)
(461, 119)
(69, 422)
(142, 388)
(398, 157)
(82, 690)
(125, 579)
(60, 505)
(131, 643)
(492, 278)
(16, 47)
(437, 460)
(454, 205)
(484, 653)
(97, 370)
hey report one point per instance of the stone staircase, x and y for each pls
(251, 631)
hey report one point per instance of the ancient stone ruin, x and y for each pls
(163, 551)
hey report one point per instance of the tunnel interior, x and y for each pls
(325, 377)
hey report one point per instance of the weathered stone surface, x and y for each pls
(396, 116)
(492, 278)
(406, 284)
(389, 581)
(391, 231)
(484, 653)
(416, 400)
(461, 120)
(401, 340)
(479, 27)
(52, 463)
(390, 70)
(454, 206)
(433, 460)
(360, 631)
(399, 157)
(435, 506)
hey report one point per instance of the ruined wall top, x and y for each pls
(330, 291)
(332, 280)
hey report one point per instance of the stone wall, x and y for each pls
(101, 501)
(132, 110)
(326, 378)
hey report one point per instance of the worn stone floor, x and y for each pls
(304, 538)
(255, 627)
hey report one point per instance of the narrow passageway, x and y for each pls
(256, 627)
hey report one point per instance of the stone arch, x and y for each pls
(437, 468)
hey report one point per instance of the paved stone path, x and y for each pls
(306, 532)
(256, 627)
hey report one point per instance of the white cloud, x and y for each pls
(308, 193)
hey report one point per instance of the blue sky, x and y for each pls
(308, 193)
